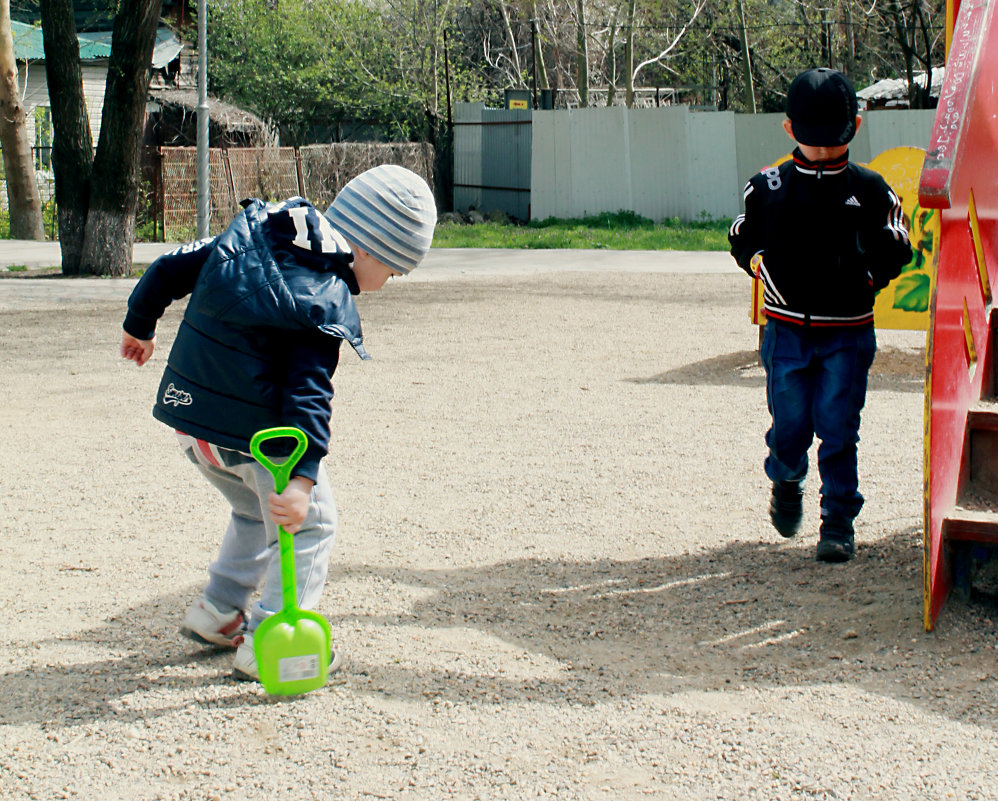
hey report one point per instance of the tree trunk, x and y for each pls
(114, 193)
(98, 195)
(582, 55)
(850, 34)
(23, 200)
(611, 90)
(629, 55)
(540, 70)
(72, 145)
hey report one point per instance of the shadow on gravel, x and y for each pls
(137, 659)
(761, 614)
(750, 614)
(894, 370)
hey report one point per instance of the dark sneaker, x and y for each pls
(836, 542)
(786, 507)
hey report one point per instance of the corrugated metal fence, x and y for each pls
(492, 149)
(658, 162)
(672, 162)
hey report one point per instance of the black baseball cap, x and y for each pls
(822, 107)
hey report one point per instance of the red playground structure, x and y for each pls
(960, 178)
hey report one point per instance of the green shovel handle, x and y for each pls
(281, 472)
(282, 475)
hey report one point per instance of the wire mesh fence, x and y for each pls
(326, 169)
(178, 190)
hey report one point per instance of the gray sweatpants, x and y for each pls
(249, 554)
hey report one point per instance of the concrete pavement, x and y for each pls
(480, 261)
(39, 255)
(440, 264)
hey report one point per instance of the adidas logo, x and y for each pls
(176, 397)
(852, 201)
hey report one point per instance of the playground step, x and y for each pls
(970, 539)
(983, 416)
(977, 525)
(982, 436)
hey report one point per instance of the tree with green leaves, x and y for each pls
(319, 65)
(310, 64)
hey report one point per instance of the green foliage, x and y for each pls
(623, 230)
(50, 220)
(146, 231)
(305, 64)
(336, 65)
(146, 225)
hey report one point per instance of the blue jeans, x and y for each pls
(816, 386)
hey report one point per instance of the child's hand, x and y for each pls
(290, 507)
(138, 350)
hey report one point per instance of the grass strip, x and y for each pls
(620, 231)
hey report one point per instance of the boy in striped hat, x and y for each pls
(271, 300)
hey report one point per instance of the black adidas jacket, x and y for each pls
(829, 236)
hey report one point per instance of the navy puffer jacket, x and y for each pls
(271, 299)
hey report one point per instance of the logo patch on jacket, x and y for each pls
(296, 221)
(852, 201)
(176, 397)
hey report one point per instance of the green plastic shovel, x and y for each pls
(292, 646)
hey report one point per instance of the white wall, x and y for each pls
(671, 162)
(35, 91)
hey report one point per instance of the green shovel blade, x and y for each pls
(292, 652)
(292, 646)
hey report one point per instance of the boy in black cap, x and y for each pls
(824, 236)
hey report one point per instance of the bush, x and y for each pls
(50, 221)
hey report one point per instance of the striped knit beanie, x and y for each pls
(388, 211)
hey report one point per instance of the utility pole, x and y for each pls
(203, 206)
(582, 55)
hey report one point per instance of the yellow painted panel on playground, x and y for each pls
(904, 303)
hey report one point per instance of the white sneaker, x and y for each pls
(205, 624)
(244, 665)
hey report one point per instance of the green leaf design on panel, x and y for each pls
(911, 292)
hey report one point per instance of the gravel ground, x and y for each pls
(554, 577)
